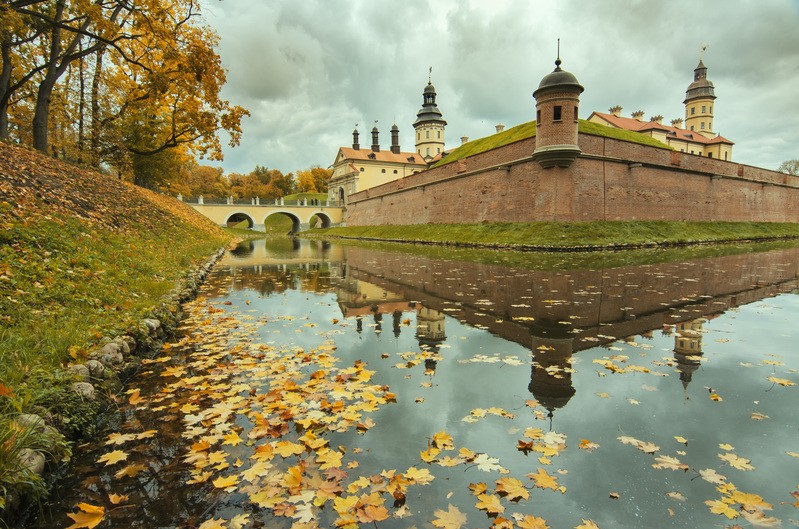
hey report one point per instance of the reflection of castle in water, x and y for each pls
(554, 314)
(688, 348)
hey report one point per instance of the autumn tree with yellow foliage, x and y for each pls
(130, 86)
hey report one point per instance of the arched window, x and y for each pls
(341, 195)
(439, 134)
(427, 134)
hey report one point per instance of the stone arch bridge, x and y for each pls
(228, 212)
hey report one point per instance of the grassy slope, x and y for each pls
(528, 130)
(81, 255)
(570, 235)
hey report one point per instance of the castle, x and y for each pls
(356, 169)
(565, 169)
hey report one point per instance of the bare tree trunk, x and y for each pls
(5, 87)
(81, 106)
(41, 114)
(95, 109)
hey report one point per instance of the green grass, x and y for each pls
(82, 256)
(528, 130)
(577, 235)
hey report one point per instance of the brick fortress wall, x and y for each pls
(611, 180)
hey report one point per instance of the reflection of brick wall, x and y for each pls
(600, 185)
(618, 302)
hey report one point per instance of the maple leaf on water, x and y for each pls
(429, 455)
(130, 471)
(113, 457)
(213, 523)
(543, 480)
(227, 483)
(304, 513)
(587, 524)
(670, 463)
(587, 445)
(735, 461)
(443, 441)
(646, 447)
(722, 508)
(502, 523)
(531, 522)
(419, 476)
(781, 381)
(486, 463)
(489, 503)
(88, 517)
(512, 488)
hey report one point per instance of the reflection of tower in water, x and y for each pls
(551, 375)
(688, 349)
(430, 334)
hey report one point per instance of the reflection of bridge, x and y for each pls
(255, 212)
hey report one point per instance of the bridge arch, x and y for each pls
(323, 217)
(296, 223)
(237, 217)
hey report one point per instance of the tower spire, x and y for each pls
(558, 61)
(430, 76)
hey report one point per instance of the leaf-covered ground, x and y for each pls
(82, 255)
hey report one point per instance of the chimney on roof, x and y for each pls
(464, 139)
(395, 147)
(638, 114)
(657, 119)
(676, 123)
(375, 143)
(355, 144)
(616, 111)
(500, 127)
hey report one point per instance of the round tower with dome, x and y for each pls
(557, 100)
(698, 102)
(429, 125)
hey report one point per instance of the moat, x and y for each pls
(321, 384)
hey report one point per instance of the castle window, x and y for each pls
(710, 155)
(693, 110)
(703, 109)
(575, 113)
(725, 155)
(439, 134)
(361, 169)
(538, 117)
(702, 125)
(692, 152)
(711, 110)
(556, 115)
(692, 127)
(395, 171)
(427, 134)
(438, 150)
(382, 170)
(418, 136)
(428, 151)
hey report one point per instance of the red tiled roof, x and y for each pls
(382, 156)
(672, 132)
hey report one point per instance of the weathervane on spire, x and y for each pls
(430, 76)
(558, 61)
(702, 50)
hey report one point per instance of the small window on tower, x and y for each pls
(538, 117)
(439, 134)
(395, 171)
(382, 170)
(693, 110)
(711, 110)
(703, 109)
(556, 115)
(692, 127)
(361, 169)
(575, 113)
(428, 151)
(702, 125)
(427, 134)
(710, 155)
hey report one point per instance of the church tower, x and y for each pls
(556, 102)
(699, 103)
(429, 125)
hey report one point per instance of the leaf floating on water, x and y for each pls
(758, 416)
(711, 476)
(452, 518)
(113, 457)
(213, 523)
(722, 508)
(735, 461)
(512, 489)
(781, 381)
(89, 517)
(531, 522)
(489, 503)
(587, 524)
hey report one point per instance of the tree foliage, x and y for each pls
(114, 83)
(789, 166)
(313, 180)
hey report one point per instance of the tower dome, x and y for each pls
(429, 125)
(557, 102)
(698, 102)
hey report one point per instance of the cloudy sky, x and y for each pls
(310, 70)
